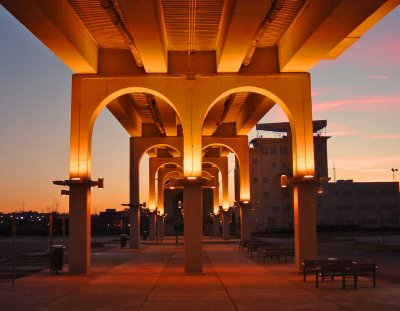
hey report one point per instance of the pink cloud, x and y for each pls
(360, 104)
(342, 133)
(385, 136)
(378, 77)
(340, 129)
(381, 52)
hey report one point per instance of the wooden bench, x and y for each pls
(332, 268)
(342, 268)
(275, 251)
(309, 266)
(361, 268)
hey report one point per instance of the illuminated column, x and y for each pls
(216, 225)
(134, 215)
(152, 199)
(83, 111)
(245, 230)
(152, 226)
(300, 112)
(160, 226)
(193, 231)
(305, 232)
(225, 225)
(79, 229)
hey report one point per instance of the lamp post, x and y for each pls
(393, 171)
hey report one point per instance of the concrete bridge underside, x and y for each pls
(190, 91)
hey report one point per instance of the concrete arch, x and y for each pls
(252, 89)
(129, 90)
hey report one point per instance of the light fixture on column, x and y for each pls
(74, 181)
(172, 182)
(64, 193)
(393, 171)
(286, 181)
(133, 205)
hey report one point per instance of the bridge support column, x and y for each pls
(216, 225)
(245, 226)
(152, 226)
(305, 223)
(193, 231)
(225, 225)
(79, 229)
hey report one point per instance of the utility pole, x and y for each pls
(393, 171)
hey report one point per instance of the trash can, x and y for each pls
(122, 240)
(56, 258)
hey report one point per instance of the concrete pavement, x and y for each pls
(152, 278)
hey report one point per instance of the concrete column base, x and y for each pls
(245, 214)
(216, 225)
(225, 225)
(152, 226)
(79, 229)
(305, 223)
(193, 230)
(134, 229)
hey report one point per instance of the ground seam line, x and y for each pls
(222, 283)
(158, 279)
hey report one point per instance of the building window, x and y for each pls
(388, 192)
(254, 161)
(271, 221)
(266, 195)
(389, 206)
(347, 192)
(362, 221)
(366, 207)
(255, 180)
(265, 180)
(343, 207)
(273, 150)
(284, 165)
(366, 192)
(275, 209)
(283, 150)
(274, 165)
(286, 209)
(264, 150)
(285, 194)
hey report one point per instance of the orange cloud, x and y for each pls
(360, 104)
(385, 136)
(378, 77)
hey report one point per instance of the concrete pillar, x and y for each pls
(305, 223)
(225, 225)
(245, 225)
(79, 229)
(160, 227)
(216, 225)
(152, 226)
(134, 229)
(193, 231)
(134, 215)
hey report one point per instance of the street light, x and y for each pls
(394, 170)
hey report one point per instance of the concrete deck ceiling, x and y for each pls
(201, 36)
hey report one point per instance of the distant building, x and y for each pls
(344, 203)
(269, 159)
(359, 204)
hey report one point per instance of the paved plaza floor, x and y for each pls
(152, 278)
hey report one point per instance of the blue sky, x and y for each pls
(359, 95)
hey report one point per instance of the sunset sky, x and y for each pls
(358, 94)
